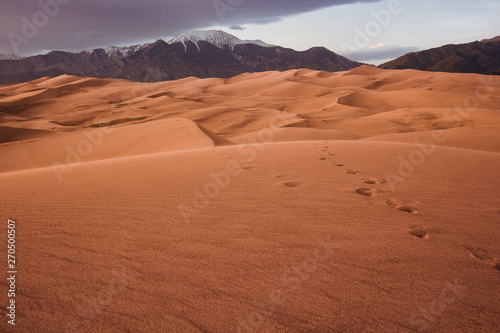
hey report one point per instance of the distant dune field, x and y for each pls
(297, 201)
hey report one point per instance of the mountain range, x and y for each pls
(198, 53)
(216, 53)
(481, 57)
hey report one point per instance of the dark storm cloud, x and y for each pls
(83, 24)
(381, 52)
(237, 27)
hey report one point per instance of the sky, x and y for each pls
(370, 31)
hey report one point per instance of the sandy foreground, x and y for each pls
(298, 201)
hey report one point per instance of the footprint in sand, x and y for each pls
(340, 165)
(391, 202)
(407, 209)
(372, 181)
(279, 176)
(402, 207)
(484, 256)
(284, 182)
(352, 172)
(419, 232)
(291, 183)
(367, 192)
(324, 158)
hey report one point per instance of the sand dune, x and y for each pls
(259, 237)
(364, 102)
(11, 134)
(101, 143)
(297, 201)
(290, 134)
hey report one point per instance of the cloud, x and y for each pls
(91, 34)
(123, 22)
(237, 27)
(381, 51)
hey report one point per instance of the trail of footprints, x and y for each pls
(416, 230)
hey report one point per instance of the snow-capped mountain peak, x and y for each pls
(122, 52)
(218, 38)
(117, 52)
(10, 56)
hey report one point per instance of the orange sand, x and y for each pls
(142, 208)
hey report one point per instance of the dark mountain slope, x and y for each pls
(476, 57)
